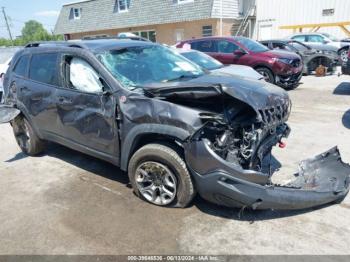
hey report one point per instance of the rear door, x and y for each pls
(36, 89)
(85, 107)
(206, 46)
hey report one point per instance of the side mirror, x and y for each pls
(239, 52)
(325, 42)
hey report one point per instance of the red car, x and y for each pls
(278, 67)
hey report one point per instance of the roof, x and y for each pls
(97, 15)
(93, 45)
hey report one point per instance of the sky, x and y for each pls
(20, 11)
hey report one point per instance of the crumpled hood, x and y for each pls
(258, 94)
(239, 71)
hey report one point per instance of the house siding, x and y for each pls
(97, 15)
(230, 9)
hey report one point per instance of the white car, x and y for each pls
(3, 69)
(211, 64)
(325, 39)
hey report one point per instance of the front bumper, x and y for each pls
(289, 80)
(345, 69)
(321, 180)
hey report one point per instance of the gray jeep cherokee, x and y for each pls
(173, 127)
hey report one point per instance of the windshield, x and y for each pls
(142, 65)
(331, 37)
(203, 60)
(251, 45)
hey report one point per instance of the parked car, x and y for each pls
(173, 127)
(282, 68)
(325, 39)
(312, 58)
(5, 59)
(346, 66)
(211, 64)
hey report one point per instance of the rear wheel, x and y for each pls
(160, 176)
(267, 74)
(26, 138)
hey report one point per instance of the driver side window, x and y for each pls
(80, 75)
(226, 47)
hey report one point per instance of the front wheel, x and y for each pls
(267, 74)
(344, 55)
(160, 176)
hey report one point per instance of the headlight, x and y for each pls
(284, 60)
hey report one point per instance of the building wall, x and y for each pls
(165, 33)
(271, 14)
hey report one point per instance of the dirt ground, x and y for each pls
(64, 202)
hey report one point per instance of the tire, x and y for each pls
(267, 74)
(26, 138)
(169, 183)
(343, 53)
(291, 87)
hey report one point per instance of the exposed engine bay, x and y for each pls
(241, 136)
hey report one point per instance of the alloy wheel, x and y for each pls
(156, 183)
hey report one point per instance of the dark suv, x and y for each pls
(278, 67)
(174, 128)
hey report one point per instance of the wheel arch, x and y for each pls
(144, 134)
(347, 47)
(264, 66)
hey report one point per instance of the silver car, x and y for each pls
(211, 64)
(324, 39)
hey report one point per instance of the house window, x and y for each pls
(328, 12)
(75, 13)
(122, 6)
(149, 34)
(207, 30)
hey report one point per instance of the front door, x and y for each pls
(226, 51)
(85, 108)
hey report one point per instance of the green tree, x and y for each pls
(34, 31)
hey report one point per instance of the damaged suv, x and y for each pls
(173, 127)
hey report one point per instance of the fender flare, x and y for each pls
(143, 129)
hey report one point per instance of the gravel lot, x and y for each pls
(64, 202)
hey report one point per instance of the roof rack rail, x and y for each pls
(99, 37)
(55, 43)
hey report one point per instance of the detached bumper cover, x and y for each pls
(321, 180)
(346, 68)
(289, 80)
(7, 113)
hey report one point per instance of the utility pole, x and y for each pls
(7, 24)
(221, 14)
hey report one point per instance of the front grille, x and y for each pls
(275, 115)
(296, 62)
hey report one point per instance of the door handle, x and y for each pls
(23, 88)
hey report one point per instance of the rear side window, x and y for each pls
(43, 68)
(21, 66)
(204, 46)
